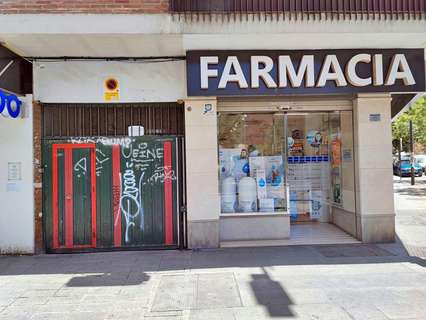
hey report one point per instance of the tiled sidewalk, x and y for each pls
(350, 281)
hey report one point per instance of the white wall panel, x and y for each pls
(16, 197)
(83, 81)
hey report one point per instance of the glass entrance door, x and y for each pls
(320, 173)
(308, 166)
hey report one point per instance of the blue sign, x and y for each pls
(10, 102)
(282, 72)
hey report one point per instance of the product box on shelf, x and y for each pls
(275, 177)
(233, 162)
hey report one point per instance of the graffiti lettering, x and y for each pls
(124, 142)
(142, 156)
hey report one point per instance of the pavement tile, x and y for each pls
(127, 315)
(402, 310)
(70, 316)
(320, 312)
(217, 291)
(30, 301)
(165, 315)
(275, 312)
(15, 313)
(364, 311)
(212, 314)
(175, 292)
(54, 308)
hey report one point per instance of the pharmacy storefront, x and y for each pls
(298, 144)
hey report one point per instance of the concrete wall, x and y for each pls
(83, 82)
(373, 169)
(202, 173)
(255, 227)
(16, 197)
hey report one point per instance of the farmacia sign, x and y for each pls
(228, 73)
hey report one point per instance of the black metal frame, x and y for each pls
(302, 9)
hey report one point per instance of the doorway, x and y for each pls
(320, 174)
(106, 190)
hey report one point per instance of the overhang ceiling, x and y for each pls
(162, 35)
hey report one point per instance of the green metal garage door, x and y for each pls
(111, 192)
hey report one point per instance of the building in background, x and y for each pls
(172, 124)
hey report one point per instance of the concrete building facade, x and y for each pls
(258, 156)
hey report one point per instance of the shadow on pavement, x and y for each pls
(121, 264)
(105, 280)
(417, 192)
(271, 294)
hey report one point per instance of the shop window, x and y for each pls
(307, 176)
(251, 163)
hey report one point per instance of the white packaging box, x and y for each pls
(261, 184)
(227, 159)
(266, 205)
(275, 177)
(256, 163)
(318, 207)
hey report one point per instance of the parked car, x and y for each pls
(421, 161)
(404, 170)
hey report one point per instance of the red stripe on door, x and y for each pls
(168, 194)
(116, 194)
(93, 198)
(55, 209)
(69, 211)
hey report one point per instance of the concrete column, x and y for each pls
(373, 168)
(202, 173)
(17, 194)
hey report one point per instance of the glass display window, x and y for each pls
(300, 163)
(251, 163)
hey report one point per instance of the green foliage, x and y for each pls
(417, 113)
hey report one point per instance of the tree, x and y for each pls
(417, 113)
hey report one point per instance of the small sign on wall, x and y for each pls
(208, 110)
(347, 155)
(374, 117)
(111, 89)
(14, 172)
(14, 176)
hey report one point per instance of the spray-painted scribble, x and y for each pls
(131, 204)
(162, 174)
(100, 159)
(138, 160)
(116, 198)
(81, 165)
